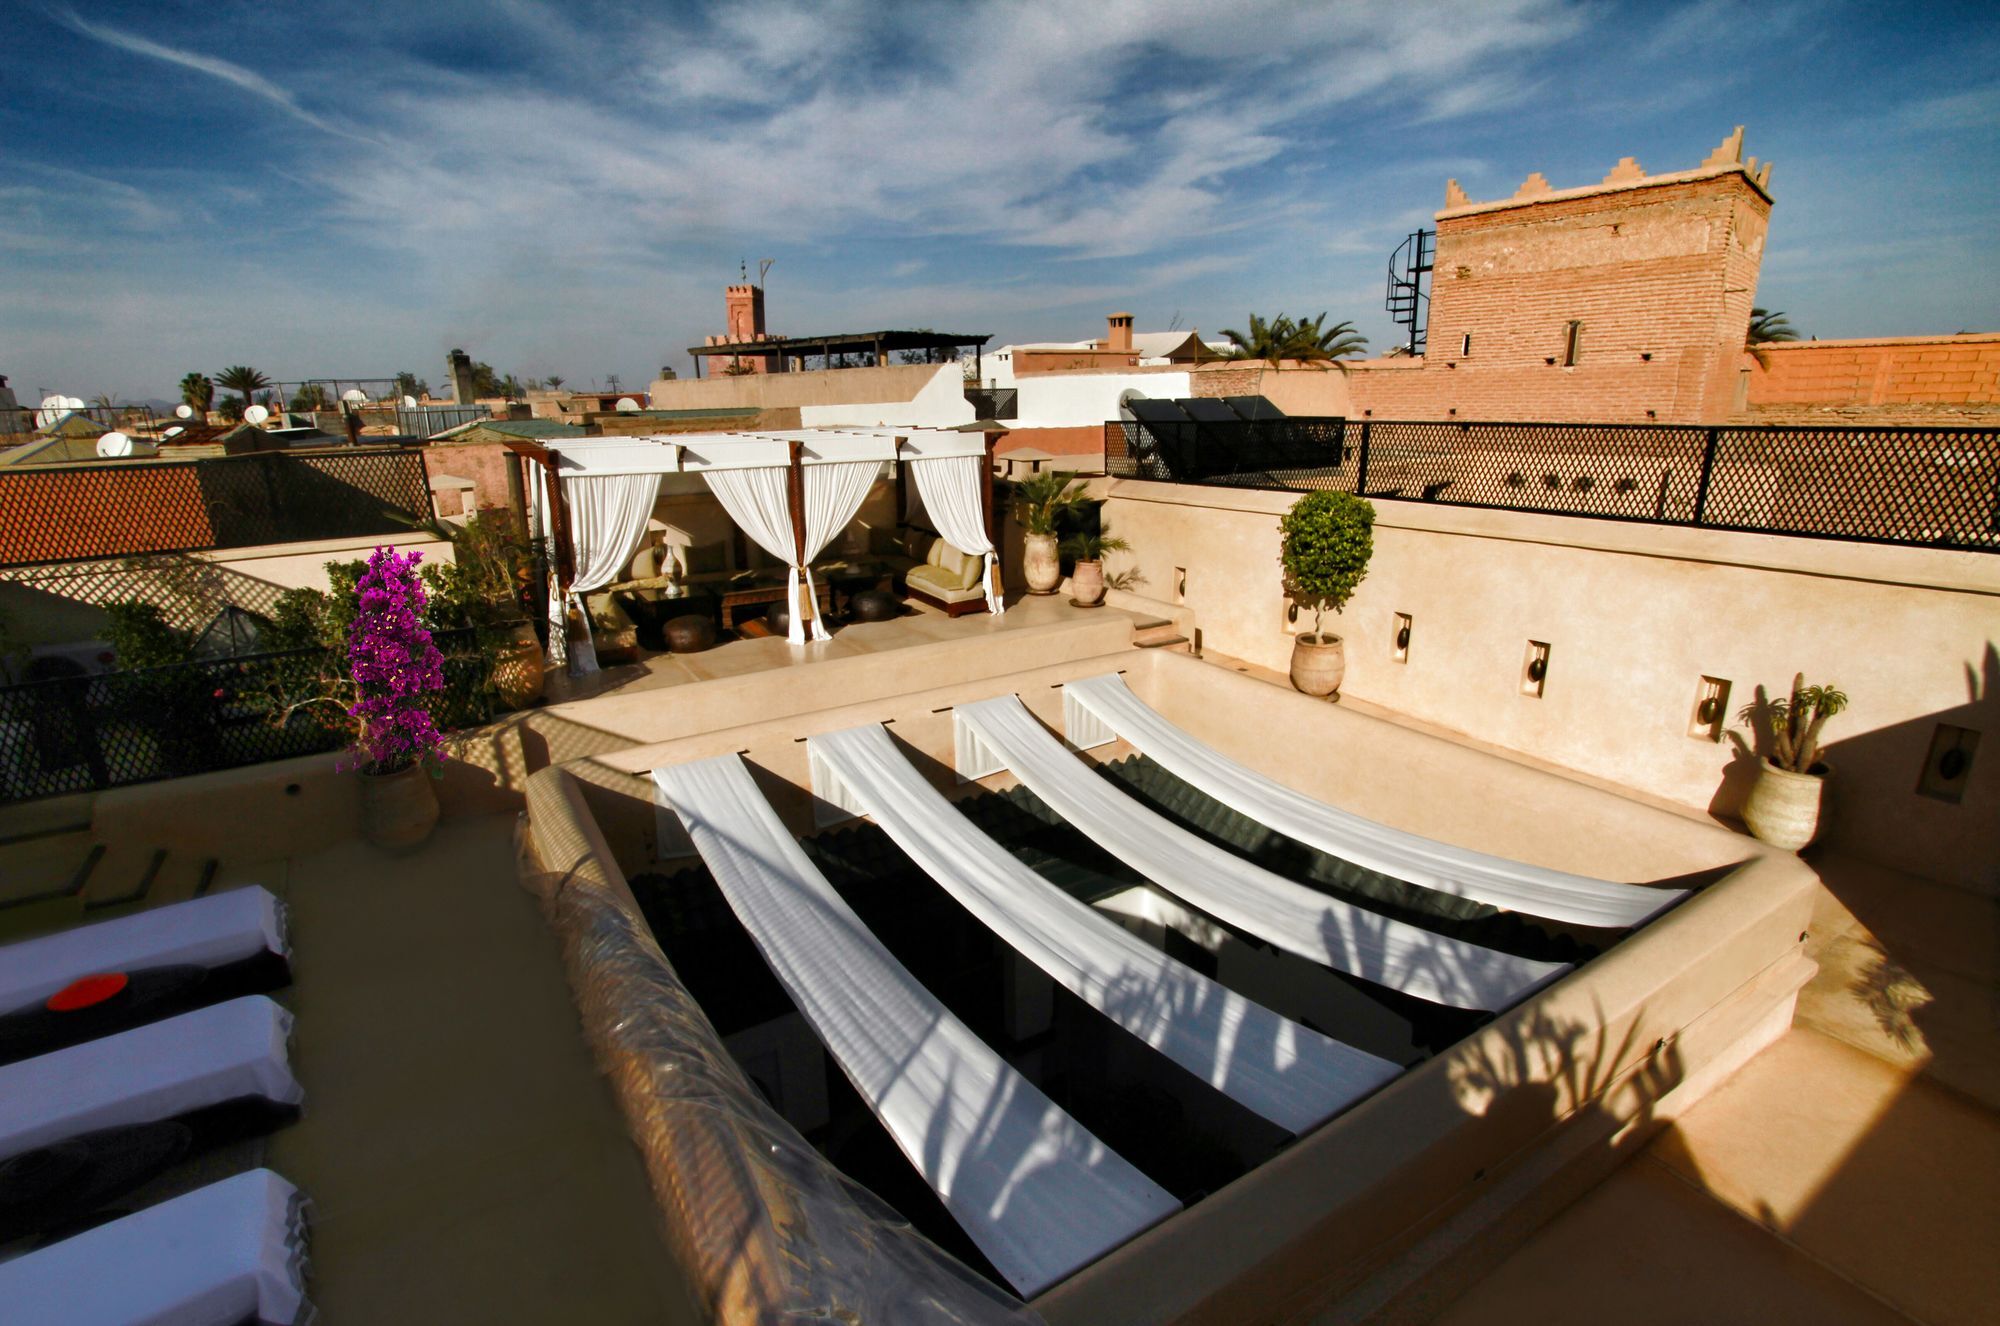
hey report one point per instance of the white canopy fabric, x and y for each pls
(157, 1071)
(834, 494)
(607, 521)
(202, 932)
(1285, 1072)
(1297, 919)
(231, 1252)
(1494, 880)
(608, 456)
(1036, 1191)
(951, 491)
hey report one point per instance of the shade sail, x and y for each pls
(1285, 1072)
(1038, 1193)
(1494, 880)
(1297, 919)
(614, 456)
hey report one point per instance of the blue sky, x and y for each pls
(352, 189)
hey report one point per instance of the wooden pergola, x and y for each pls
(937, 347)
(541, 467)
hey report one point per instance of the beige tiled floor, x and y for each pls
(466, 1162)
(1819, 1184)
(919, 625)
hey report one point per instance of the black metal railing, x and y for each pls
(1925, 487)
(105, 509)
(89, 733)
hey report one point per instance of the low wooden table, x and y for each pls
(757, 588)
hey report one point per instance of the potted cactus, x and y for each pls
(1327, 539)
(1039, 502)
(1086, 581)
(1787, 803)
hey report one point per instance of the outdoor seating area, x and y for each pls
(626, 574)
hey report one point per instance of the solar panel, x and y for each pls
(1157, 412)
(1208, 410)
(1254, 408)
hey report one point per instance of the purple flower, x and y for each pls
(394, 664)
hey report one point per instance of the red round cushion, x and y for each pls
(88, 991)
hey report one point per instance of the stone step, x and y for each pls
(122, 876)
(56, 864)
(1162, 638)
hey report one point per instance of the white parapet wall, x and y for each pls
(1637, 620)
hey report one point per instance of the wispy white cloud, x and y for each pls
(236, 75)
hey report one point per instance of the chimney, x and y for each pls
(1120, 338)
(459, 364)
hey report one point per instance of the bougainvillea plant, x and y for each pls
(394, 666)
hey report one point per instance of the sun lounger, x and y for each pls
(1035, 1190)
(1107, 703)
(212, 1058)
(229, 1253)
(1295, 918)
(176, 958)
(1285, 1072)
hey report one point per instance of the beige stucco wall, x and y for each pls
(1635, 617)
(845, 386)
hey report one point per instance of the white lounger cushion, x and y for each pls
(1242, 893)
(1287, 1073)
(230, 1252)
(223, 1052)
(1038, 1193)
(203, 932)
(1494, 880)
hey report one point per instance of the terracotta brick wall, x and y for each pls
(1661, 279)
(1917, 380)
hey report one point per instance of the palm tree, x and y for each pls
(242, 378)
(555, 381)
(1307, 340)
(1766, 327)
(198, 391)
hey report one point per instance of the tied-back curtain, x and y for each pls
(951, 487)
(759, 501)
(607, 522)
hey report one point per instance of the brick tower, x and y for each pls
(1627, 300)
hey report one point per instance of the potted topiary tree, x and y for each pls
(1039, 502)
(1327, 539)
(1787, 803)
(1086, 581)
(394, 666)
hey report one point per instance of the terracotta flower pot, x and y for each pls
(1040, 564)
(1086, 583)
(398, 810)
(517, 668)
(1786, 809)
(1319, 664)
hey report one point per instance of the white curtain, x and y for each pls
(759, 501)
(607, 521)
(951, 491)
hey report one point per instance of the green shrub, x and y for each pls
(1043, 499)
(141, 636)
(1327, 541)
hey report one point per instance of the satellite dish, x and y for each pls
(256, 414)
(184, 412)
(175, 431)
(354, 395)
(409, 402)
(72, 403)
(115, 446)
(626, 405)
